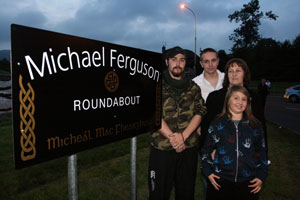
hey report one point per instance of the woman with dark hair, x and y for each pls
(239, 165)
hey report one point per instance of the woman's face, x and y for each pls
(237, 103)
(236, 75)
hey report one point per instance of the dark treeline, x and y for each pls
(5, 65)
(277, 61)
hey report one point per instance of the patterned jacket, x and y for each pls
(178, 112)
(240, 151)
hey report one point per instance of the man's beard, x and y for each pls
(177, 73)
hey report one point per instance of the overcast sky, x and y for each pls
(146, 24)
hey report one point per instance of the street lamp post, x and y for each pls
(182, 7)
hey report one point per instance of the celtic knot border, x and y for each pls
(27, 121)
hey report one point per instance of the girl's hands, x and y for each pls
(257, 185)
(212, 178)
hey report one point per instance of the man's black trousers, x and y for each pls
(168, 169)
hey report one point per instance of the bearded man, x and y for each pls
(174, 147)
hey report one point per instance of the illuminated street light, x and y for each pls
(183, 6)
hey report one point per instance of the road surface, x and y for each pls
(280, 111)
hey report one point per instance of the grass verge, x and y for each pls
(104, 172)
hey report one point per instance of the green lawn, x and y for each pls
(3, 72)
(104, 172)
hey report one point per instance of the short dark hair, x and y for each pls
(208, 50)
(241, 63)
(170, 53)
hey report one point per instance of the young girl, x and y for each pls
(239, 166)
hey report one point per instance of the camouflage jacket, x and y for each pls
(177, 113)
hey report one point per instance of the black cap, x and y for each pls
(170, 53)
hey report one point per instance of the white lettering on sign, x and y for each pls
(85, 59)
(54, 62)
(98, 103)
(134, 65)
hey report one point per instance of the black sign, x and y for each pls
(71, 94)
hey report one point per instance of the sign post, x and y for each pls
(72, 177)
(133, 147)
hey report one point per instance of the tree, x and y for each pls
(266, 57)
(223, 59)
(247, 35)
(296, 42)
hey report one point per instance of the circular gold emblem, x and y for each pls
(111, 81)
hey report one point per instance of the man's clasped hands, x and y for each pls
(177, 141)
